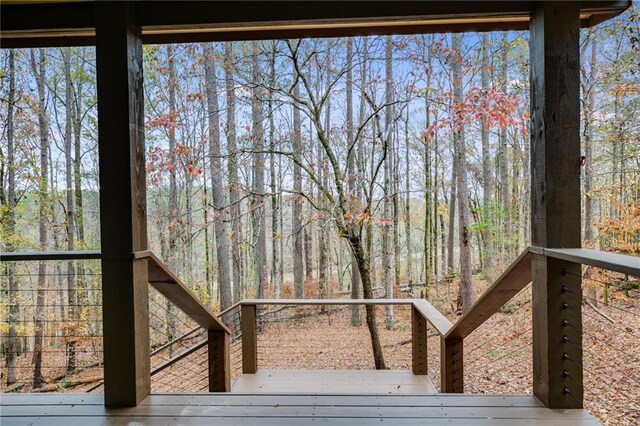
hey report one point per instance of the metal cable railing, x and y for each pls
(51, 325)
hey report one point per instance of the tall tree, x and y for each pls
(296, 226)
(10, 228)
(588, 91)
(257, 199)
(173, 188)
(336, 195)
(70, 208)
(487, 176)
(275, 206)
(232, 165)
(388, 171)
(352, 189)
(38, 66)
(217, 178)
(503, 166)
(465, 297)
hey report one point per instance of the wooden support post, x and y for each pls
(418, 342)
(248, 326)
(219, 361)
(451, 365)
(555, 202)
(123, 225)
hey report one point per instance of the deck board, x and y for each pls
(334, 381)
(286, 409)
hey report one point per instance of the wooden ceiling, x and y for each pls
(58, 23)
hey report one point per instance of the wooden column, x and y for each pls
(451, 365)
(248, 326)
(555, 202)
(418, 342)
(219, 361)
(123, 225)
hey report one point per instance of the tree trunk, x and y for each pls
(275, 207)
(234, 193)
(588, 141)
(70, 213)
(77, 178)
(352, 189)
(465, 299)
(10, 223)
(217, 179)
(452, 214)
(296, 226)
(363, 266)
(39, 71)
(257, 200)
(388, 170)
(487, 178)
(503, 159)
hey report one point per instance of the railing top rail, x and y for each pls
(167, 283)
(623, 263)
(17, 256)
(433, 315)
(428, 311)
(513, 280)
(326, 301)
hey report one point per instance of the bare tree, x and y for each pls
(257, 199)
(351, 179)
(38, 66)
(70, 213)
(465, 297)
(10, 223)
(217, 178)
(232, 164)
(487, 176)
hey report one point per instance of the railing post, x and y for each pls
(418, 342)
(248, 325)
(123, 219)
(554, 44)
(451, 365)
(219, 361)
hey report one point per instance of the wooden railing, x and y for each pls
(171, 287)
(422, 312)
(517, 276)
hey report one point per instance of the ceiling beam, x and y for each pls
(59, 24)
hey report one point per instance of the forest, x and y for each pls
(315, 168)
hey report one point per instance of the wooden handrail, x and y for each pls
(421, 313)
(514, 279)
(623, 263)
(18, 256)
(517, 276)
(171, 287)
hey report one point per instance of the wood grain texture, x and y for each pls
(451, 365)
(555, 202)
(419, 351)
(123, 225)
(37, 25)
(623, 263)
(287, 409)
(333, 381)
(248, 325)
(219, 361)
(171, 287)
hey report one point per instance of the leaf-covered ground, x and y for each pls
(497, 355)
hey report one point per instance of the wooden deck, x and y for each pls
(334, 381)
(286, 409)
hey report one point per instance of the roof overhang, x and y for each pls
(39, 24)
